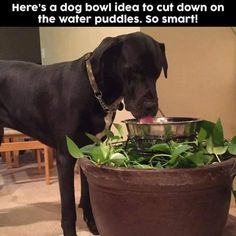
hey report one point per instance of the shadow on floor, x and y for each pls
(28, 214)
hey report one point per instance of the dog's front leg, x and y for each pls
(86, 204)
(65, 166)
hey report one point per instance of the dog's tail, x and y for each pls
(164, 60)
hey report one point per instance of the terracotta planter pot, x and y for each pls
(179, 202)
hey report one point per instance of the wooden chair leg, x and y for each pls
(38, 156)
(15, 146)
(51, 155)
(16, 161)
(15, 154)
(3, 157)
(8, 158)
(47, 167)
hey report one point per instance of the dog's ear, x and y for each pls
(108, 44)
(164, 60)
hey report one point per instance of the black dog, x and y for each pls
(71, 98)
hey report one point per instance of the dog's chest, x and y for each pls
(108, 119)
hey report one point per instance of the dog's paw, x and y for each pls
(81, 233)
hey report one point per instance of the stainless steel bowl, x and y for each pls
(174, 127)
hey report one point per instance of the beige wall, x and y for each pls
(69, 43)
(202, 73)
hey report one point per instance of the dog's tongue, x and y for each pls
(146, 119)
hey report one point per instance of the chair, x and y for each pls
(13, 142)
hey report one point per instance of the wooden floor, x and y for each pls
(29, 207)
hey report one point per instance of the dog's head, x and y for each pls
(129, 65)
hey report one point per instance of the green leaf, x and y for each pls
(200, 158)
(233, 140)
(105, 150)
(202, 135)
(210, 159)
(177, 156)
(232, 149)
(109, 134)
(209, 146)
(220, 150)
(117, 155)
(173, 161)
(100, 153)
(118, 159)
(177, 149)
(161, 147)
(119, 128)
(97, 155)
(181, 148)
(197, 158)
(93, 138)
(142, 166)
(73, 148)
(88, 148)
(208, 126)
(218, 134)
(232, 146)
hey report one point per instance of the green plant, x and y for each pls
(109, 152)
(207, 147)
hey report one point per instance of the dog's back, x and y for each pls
(34, 97)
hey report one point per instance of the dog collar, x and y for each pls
(97, 92)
